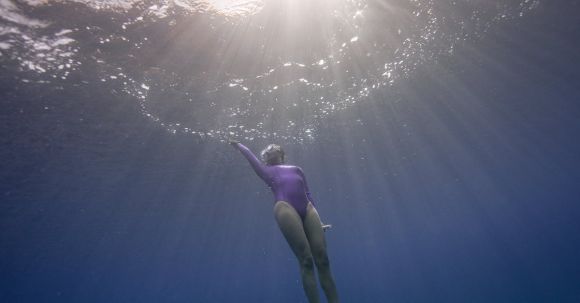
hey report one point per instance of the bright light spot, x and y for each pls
(236, 7)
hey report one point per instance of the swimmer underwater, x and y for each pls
(297, 218)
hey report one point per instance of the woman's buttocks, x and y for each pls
(295, 198)
(300, 209)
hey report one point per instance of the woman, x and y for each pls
(297, 218)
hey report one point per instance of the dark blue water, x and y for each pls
(465, 187)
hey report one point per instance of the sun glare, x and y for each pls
(236, 7)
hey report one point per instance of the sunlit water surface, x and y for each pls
(244, 69)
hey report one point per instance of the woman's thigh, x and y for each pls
(291, 226)
(315, 233)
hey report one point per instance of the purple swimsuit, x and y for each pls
(286, 181)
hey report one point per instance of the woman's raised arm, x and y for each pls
(259, 167)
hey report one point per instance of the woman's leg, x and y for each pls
(315, 235)
(290, 224)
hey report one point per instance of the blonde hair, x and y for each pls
(270, 152)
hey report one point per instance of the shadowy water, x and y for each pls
(460, 187)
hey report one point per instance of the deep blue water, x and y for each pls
(464, 188)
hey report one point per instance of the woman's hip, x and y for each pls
(301, 209)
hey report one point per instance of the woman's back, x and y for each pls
(288, 184)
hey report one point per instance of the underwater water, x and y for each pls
(439, 138)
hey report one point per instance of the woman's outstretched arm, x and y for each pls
(259, 167)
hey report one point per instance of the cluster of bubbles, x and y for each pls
(247, 68)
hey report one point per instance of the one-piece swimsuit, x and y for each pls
(287, 182)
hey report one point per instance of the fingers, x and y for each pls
(326, 226)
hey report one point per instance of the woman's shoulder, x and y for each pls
(289, 167)
(296, 169)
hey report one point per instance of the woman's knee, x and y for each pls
(306, 262)
(321, 259)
